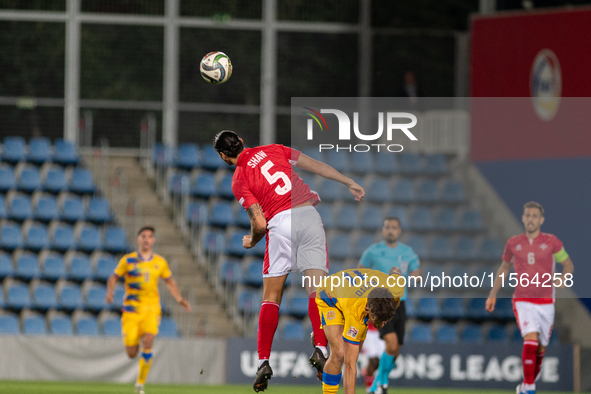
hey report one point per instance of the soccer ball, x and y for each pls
(216, 67)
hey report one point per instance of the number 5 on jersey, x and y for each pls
(272, 178)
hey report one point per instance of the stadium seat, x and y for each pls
(339, 247)
(8, 324)
(298, 305)
(403, 190)
(95, 298)
(472, 334)
(411, 163)
(409, 305)
(39, 150)
(3, 212)
(386, 163)
(81, 181)
(476, 309)
(65, 153)
(440, 248)
(115, 240)
(87, 326)
(422, 219)
(379, 191)
(61, 326)
(253, 274)
(10, 236)
(466, 248)
(372, 218)
(7, 180)
(234, 244)
(214, 241)
(326, 214)
(55, 180)
(53, 267)
(118, 298)
(70, 297)
(34, 325)
(329, 190)
(335, 266)
(162, 155)
(364, 241)
(231, 272)
(14, 149)
(453, 309)
(45, 209)
(221, 214)
(436, 164)
(240, 217)
(98, 210)
(44, 297)
(421, 333)
(447, 333)
(503, 309)
(6, 268)
(112, 327)
(338, 160)
(498, 335)
(37, 237)
(19, 208)
(249, 301)
(105, 266)
(27, 266)
(187, 156)
(29, 180)
(259, 248)
(418, 244)
(453, 191)
(197, 212)
(362, 163)
(80, 268)
(294, 331)
(428, 308)
(62, 237)
(428, 191)
(89, 238)
(210, 159)
(314, 153)
(490, 249)
(401, 213)
(446, 219)
(516, 336)
(17, 296)
(346, 217)
(203, 186)
(224, 187)
(168, 328)
(471, 220)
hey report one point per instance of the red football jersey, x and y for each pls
(531, 257)
(264, 175)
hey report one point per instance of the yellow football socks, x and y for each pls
(145, 364)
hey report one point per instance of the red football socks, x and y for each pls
(319, 337)
(528, 357)
(539, 358)
(268, 320)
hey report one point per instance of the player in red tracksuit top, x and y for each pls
(281, 208)
(533, 255)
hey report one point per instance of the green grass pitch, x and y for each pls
(11, 387)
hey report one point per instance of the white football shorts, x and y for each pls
(535, 318)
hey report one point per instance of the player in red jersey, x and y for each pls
(533, 255)
(281, 207)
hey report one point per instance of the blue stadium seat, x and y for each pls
(259, 248)
(294, 331)
(234, 244)
(472, 334)
(240, 217)
(447, 333)
(330, 190)
(14, 149)
(409, 305)
(403, 190)
(453, 191)
(65, 153)
(401, 213)
(339, 247)
(62, 238)
(224, 187)
(98, 210)
(61, 326)
(466, 248)
(80, 268)
(53, 267)
(221, 214)
(29, 180)
(422, 219)
(231, 272)
(363, 242)
(362, 163)
(338, 160)
(249, 301)
(17, 296)
(253, 274)
(19, 208)
(37, 237)
(95, 298)
(89, 238)
(9, 324)
(314, 153)
(187, 156)
(418, 244)
(490, 249)
(34, 325)
(27, 266)
(39, 150)
(197, 212)
(81, 181)
(436, 164)
(346, 217)
(471, 220)
(387, 163)
(298, 305)
(453, 308)
(446, 219)
(516, 336)
(411, 163)
(476, 309)
(87, 326)
(372, 218)
(498, 335)
(378, 191)
(326, 213)
(10, 236)
(7, 179)
(214, 241)
(115, 240)
(3, 212)
(70, 297)
(118, 298)
(203, 186)
(45, 209)
(112, 327)
(162, 155)
(44, 297)
(55, 180)
(428, 191)
(105, 266)
(440, 248)
(421, 333)
(335, 266)
(428, 308)
(210, 160)
(503, 309)
(168, 328)
(6, 268)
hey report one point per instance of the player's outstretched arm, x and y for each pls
(351, 353)
(326, 171)
(111, 282)
(258, 226)
(504, 270)
(174, 290)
